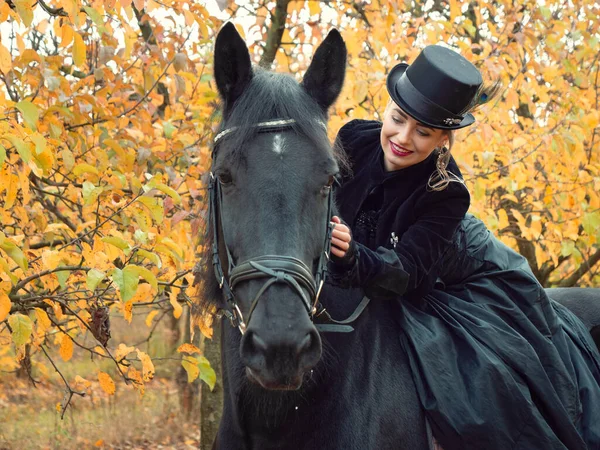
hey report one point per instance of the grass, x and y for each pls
(126, 420)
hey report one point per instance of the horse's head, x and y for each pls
(274, 168)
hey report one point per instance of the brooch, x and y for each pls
(451, 121)
(394, 239)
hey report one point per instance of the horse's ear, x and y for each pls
(233, 69)
(325, 76)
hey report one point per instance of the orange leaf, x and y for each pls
(66, 347)
(78, 50)
(106, 383)
(188, 348)
(5, 305)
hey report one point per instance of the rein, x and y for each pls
(273, 268)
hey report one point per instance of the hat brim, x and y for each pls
(391, 82)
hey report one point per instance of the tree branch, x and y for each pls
(275, 33)
(581, 271)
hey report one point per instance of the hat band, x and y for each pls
(427, 109)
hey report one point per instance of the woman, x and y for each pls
(496, 363)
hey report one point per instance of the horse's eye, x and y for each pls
(325, 189)
(224, 178)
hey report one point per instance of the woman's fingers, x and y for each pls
(342, 245)
(337, 252)
(344, 235)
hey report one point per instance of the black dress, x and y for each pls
(497, 364)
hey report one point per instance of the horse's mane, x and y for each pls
(269, 96)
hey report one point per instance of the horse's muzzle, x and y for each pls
(278, 361)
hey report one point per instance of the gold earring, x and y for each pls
(441, 163)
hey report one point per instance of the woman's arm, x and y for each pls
(412, 266)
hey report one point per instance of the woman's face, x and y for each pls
(405, 141)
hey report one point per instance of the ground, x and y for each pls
(126, 420)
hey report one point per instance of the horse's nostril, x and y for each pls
(305, 344)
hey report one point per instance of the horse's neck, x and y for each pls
(361, 386)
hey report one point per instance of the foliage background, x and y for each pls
(106, 115)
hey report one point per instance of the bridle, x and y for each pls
(273, 268)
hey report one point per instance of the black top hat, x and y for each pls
(436, 88)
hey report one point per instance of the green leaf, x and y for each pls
(127, 282)
(15, 253)
(207, 374)
(62, 276)
(21, 327)
(94, 277)
(139, 235)
(164, 188)
(567, 247)
(6, 268)
(90, 193)
(546, 13)
(116, 241)
(2, 155)
(96, 18)
(151, 256)
(591, 223)
(156, 209)
(30, 113)
(22, 148)
(84, 168)
(168, 129)
(144, 273)
(40, 143)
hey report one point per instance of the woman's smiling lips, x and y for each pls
(398, 150)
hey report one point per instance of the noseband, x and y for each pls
(273, 268)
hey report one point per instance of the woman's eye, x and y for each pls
(423, 133)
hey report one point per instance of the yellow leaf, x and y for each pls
(21, 328)
(66, 347)
(502, 219)
(84, 168)
(25, 10)
(150, 317)
(79, 50)
(66, 35)
(128, 311)
(188, 348)
(106, 383)
(5, 305)
(122, 351)
(177, 308)
(314, 7)
(191, 367)
(43, 320)
(5, 59)
(12, 185)
(147, 366)
(455, 9)
(51, 259)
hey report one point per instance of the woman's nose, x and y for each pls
(403, 133)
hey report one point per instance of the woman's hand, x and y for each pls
(340, 238)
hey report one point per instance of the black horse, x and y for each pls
(273, 168)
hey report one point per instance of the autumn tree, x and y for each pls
(109, 108)
(106, 114)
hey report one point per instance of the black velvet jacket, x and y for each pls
(415, 226)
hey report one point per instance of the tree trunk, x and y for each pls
(211, 404)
